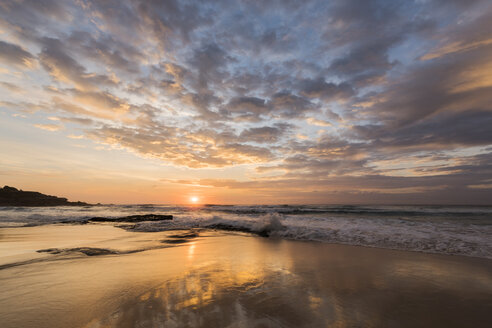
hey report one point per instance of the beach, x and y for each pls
(99, 275)
(237, 164)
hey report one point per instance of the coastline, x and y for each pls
(462, 231)
(217, 279)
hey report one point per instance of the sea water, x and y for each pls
(457, 230)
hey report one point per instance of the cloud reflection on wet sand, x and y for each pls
(223, 280)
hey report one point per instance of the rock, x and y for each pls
(186, 235)
(174, 241)
(50, 250)
(89, 251)
(133, 218)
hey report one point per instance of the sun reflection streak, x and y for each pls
(191, 250)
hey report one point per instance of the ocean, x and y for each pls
(456, 230)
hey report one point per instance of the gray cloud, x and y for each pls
(64, 68)
(444, 131)
(15, 55)
(319, 88)
(453, 83)
(248, 106)
(210, 61)
(290, 105)
(113, 53)
(265, 134)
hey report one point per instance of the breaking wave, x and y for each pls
(434, 229)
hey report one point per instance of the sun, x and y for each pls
(194, 199)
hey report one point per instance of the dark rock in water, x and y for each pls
(133, 218)
(50, 250)
(74, 222)
(180, 238)
(10, 196)
(185, 235)
(174, 241)
(89, 251)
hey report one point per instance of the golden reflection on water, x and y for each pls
(191, 250)
(330, 287)
(219, 280)
(214, 296)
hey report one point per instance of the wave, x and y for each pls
(441, 237)
(356, 210)
(459, 230)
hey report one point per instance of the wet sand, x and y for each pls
(229, 280)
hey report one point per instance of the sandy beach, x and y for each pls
(218, 279)
(237, 164)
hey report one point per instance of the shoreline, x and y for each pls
(444, 231)
(238, 232)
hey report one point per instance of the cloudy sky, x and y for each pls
(343, 101)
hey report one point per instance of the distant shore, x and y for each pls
(10, 196)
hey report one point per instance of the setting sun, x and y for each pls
(194, 199)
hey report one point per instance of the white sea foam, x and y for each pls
(446, 230)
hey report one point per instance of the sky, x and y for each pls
(245, 102)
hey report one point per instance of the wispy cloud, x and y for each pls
(49, 127)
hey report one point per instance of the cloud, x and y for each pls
(290, 105)
(457, 46)
(182, 147)
(15, 55)
(64, 68)
(72, 136)
(265, 134)
(453, 188)
(319, 88)
(245, 107)
(116, 54)
(11, 87)
(452, 84)
(49, 127)
(210, 61)
(78, 120)
(314, 121)
(444, 131)
(100, 101)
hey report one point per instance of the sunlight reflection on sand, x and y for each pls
(223, 280)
